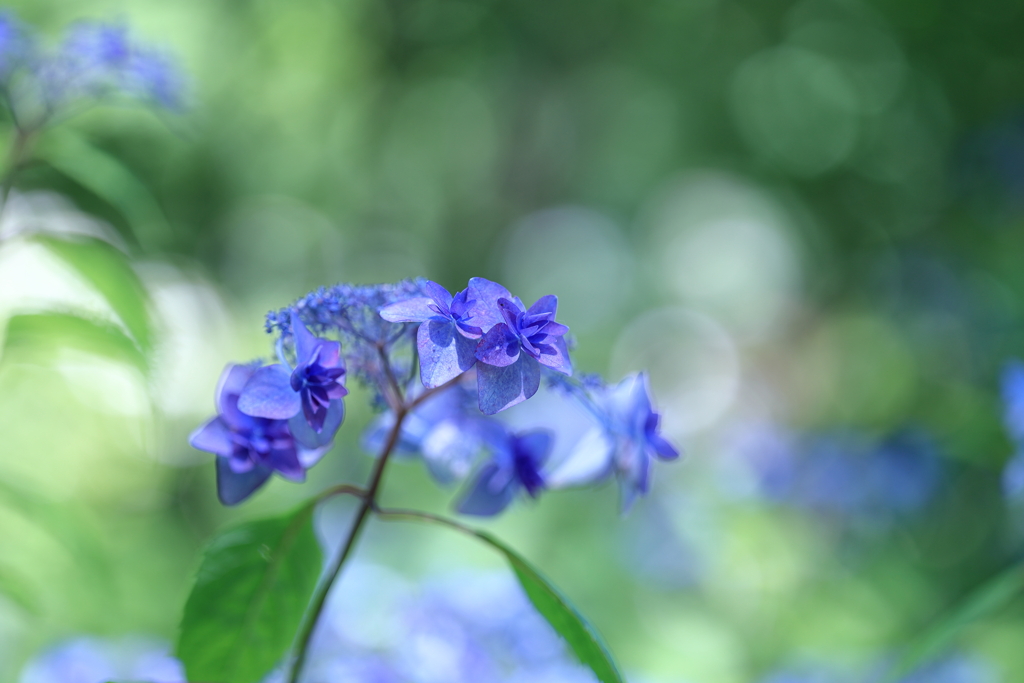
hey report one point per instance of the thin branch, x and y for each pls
(368, 497)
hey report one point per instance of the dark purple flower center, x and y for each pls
(255, 442)
(526, 470)
(317, 385)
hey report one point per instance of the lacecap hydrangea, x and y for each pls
(442, 368)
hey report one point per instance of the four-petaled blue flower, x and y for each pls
(516, 466)
(511, 352)
(625, 442)
(314, 387)
(250, 448)
(450, 326)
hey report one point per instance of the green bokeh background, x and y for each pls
(807, 213)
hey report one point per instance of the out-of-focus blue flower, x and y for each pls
(93, 660)
(460, 628)
(447, 431)
(511, 353)
(249, 449)
(624, 443)
(315, 386)
(959, 668)
(449, 326)
(516, 466)
(98, 61)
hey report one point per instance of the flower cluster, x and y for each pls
(94, 62)
(479, 352)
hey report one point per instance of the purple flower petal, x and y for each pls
(536, 444)
(311, 456)
(441, 296)
(307, 437)
(305, 343)
(559, 360)
(286, 462)
(503, 387)
(499, 347)
(545, 304)
(661, 446)
(213, 437)
(417, 310)
(443, 352)
(589, 461)
(234, 487)
(269, 394)
(485, 294)
(231, 382)
(482, 499)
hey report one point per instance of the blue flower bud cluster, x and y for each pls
(94, 62)
(479, 352)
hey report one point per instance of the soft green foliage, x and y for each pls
(37, 336)
(984, 602)
(581, 636)
(109, 179)
(251, 590)
(109, 271)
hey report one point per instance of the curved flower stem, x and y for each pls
(368, 497)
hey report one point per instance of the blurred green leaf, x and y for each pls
(984, 601)
(36, 337)
(16, 588)
(109, 271)
(110, 180)
(251, 591)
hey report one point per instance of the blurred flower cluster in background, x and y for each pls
(805, 218)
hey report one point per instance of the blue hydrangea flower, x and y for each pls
(624, 443)
(516, 466)
(249, 449)
(92, 660)
(315, 386)
(99, 60)
(512, 352)
(449, 326)
(447, 431)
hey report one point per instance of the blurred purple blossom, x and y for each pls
(460, 628)
(516, 466)
(625, 441)
(95, 660)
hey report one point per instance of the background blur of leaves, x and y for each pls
(802, 216)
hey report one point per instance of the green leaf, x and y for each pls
(36, 337)
(109, 271)
(251, 591)
(110, 180)
(581, 636)
(984, 601)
